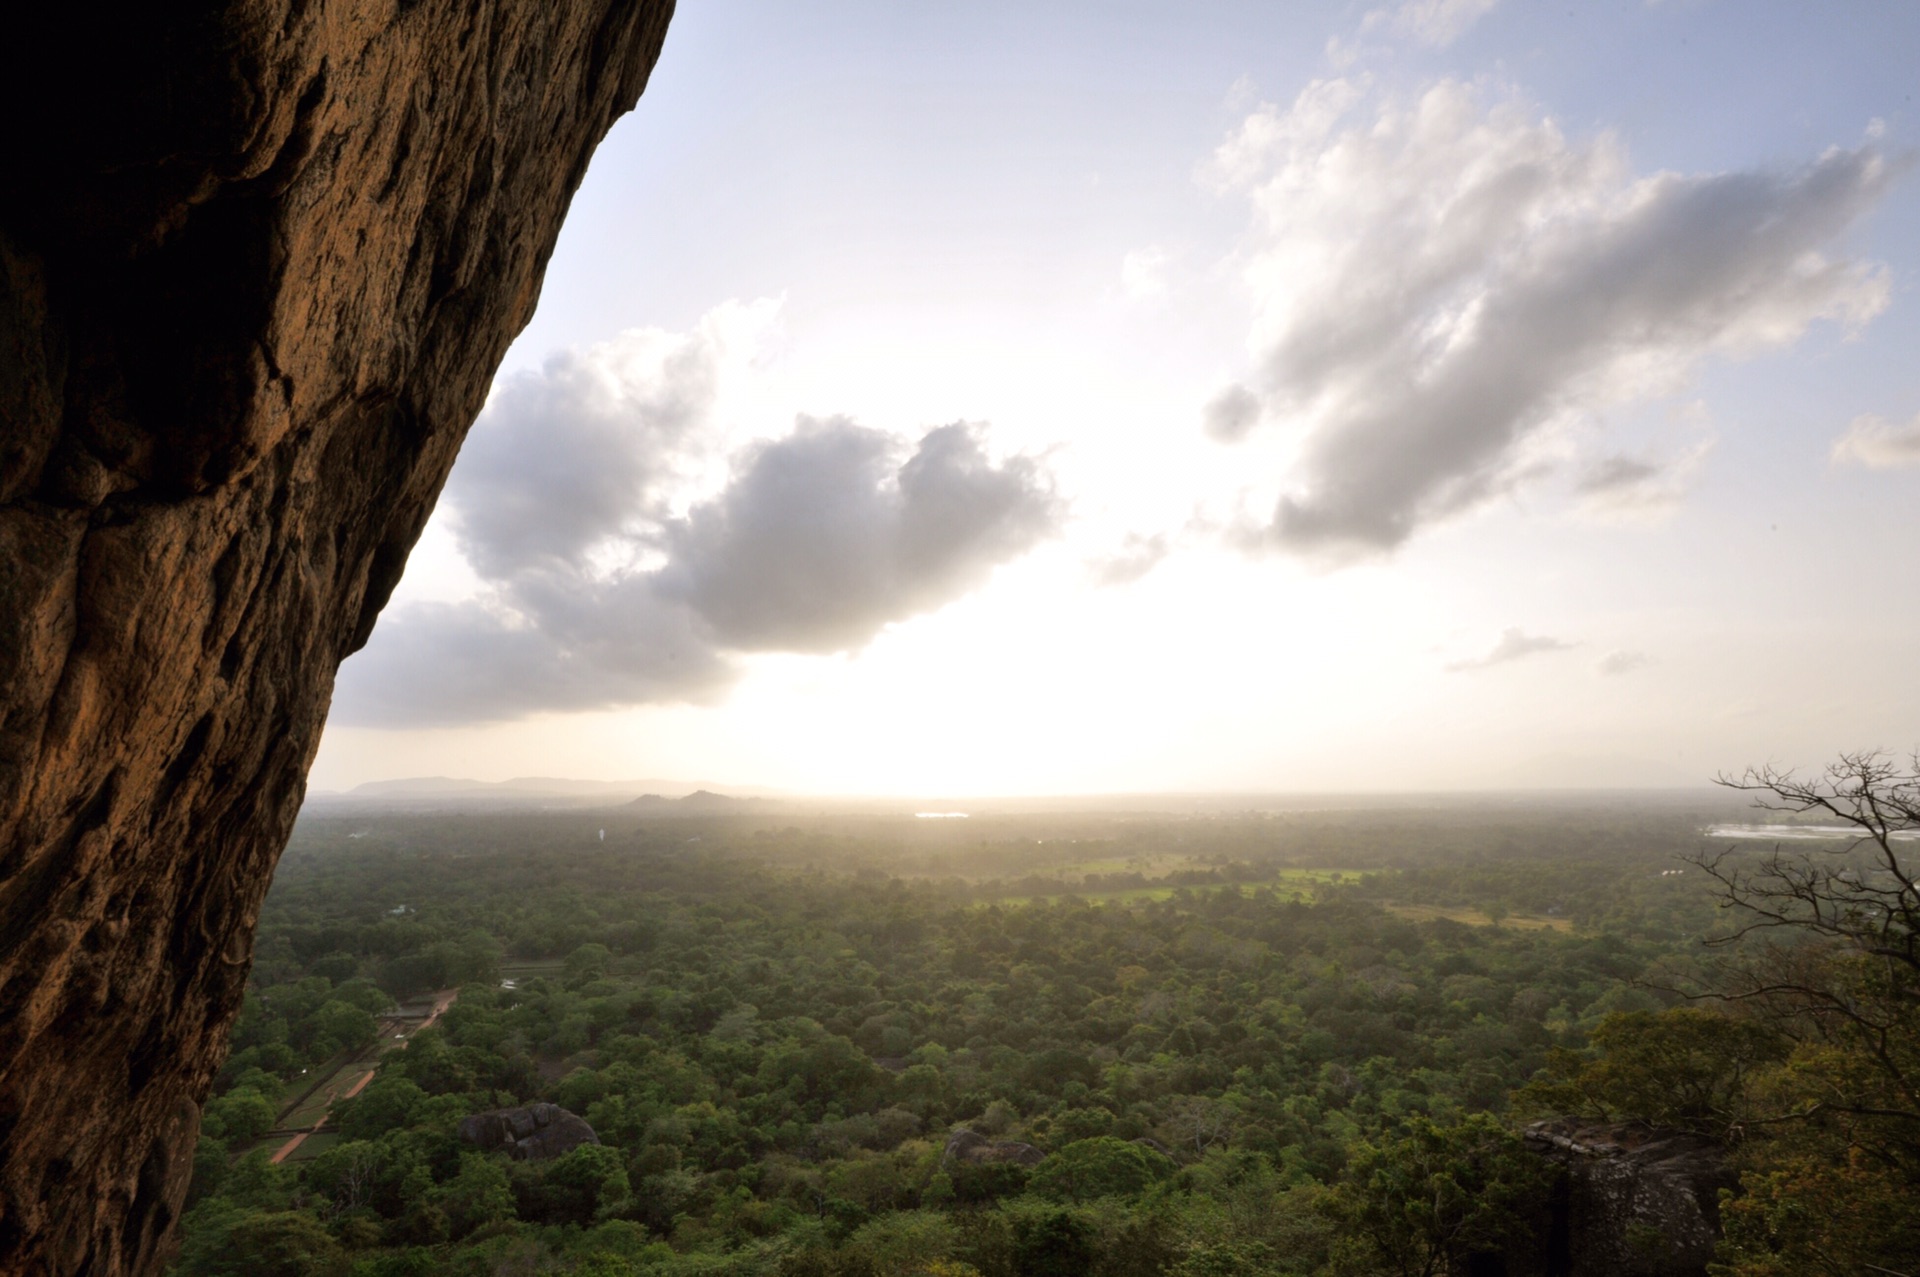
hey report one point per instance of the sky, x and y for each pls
(1103, 397)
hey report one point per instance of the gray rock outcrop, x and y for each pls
(536, 1133)
(1630, 1201)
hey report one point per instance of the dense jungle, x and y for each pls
(1211, 1041)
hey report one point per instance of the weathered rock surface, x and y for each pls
(258, 262)
(971, 1146)
(1631, 1201)
(535, 1133)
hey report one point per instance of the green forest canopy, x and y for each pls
(1215, 1031)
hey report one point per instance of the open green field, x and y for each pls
(1475, 918)
(1152, 866)
(312, 1146)
(337, 1081)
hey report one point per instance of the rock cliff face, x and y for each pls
(258, 262)
(1629, 1201)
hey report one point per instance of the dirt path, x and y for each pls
(285, 1150)
(441, 1001)
(387, 1041)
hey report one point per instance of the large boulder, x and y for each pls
(1629, 1200)
(536, 1133)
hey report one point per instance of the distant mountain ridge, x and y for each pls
(437, 790)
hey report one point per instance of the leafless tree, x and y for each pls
(1856, 890)
(353, 1184)
(1206, 1122)
(1825, 938)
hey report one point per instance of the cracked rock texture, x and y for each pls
(535, 1133)
(1629, 1201)
(258, 262)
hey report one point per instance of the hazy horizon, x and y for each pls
(584, 791)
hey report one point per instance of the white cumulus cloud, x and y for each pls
(1442, 282)
(629, 551)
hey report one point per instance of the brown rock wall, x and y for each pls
(258, 263)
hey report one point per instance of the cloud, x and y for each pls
(1440, 285)
(1137, 556)
(1620, 661)
(1514, 645)
(1619, 484)
(1618, 474)
(591, 444)
(569, 646)
(1231, 415)
(1435, 23)
(1877, 443)
(827, 535)
(614, 577)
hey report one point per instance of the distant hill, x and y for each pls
(422, 785)
(528, 791)
(701, 802)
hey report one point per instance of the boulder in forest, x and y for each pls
(535, 1133)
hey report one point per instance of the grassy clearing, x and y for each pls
(336, 1078)
(1474, 918)
(312, 1146)
(341, 1076)
(1301, 881)
(1133, 895)
(1319, 875)
(1151, 866)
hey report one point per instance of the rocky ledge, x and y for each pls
(1631, 1201)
